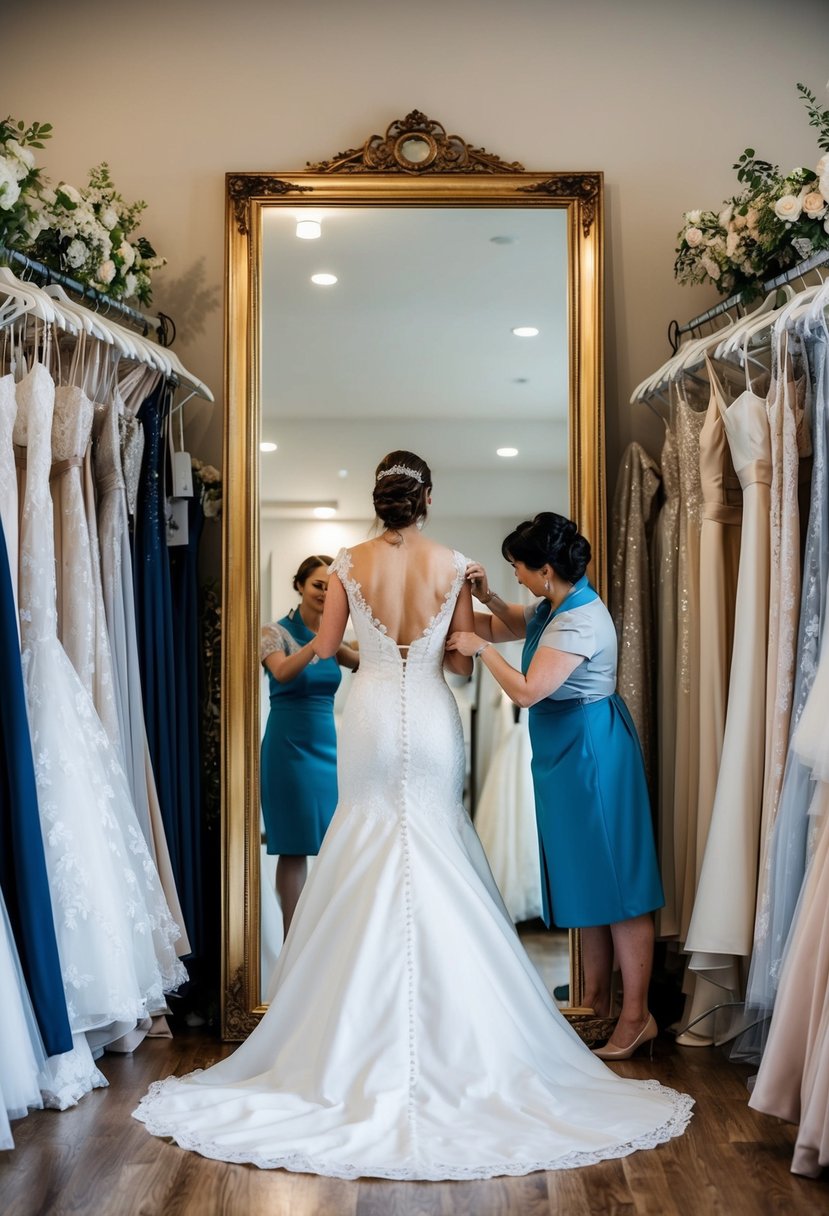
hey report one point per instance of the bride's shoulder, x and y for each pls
(341, 563)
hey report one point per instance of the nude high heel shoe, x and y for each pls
(646, 1035)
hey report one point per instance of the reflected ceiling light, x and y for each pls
(266, 446)
(308, 230)
(324, 280)
(325, 512)
(506, 452)
(525, 331)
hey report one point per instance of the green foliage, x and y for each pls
(817, 118)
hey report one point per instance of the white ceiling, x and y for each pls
(412, 348)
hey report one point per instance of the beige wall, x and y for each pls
(662, 96)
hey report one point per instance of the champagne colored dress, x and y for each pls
(631, 594)
(689, 423)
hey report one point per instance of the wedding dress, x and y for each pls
(114, 930)
(409, 1035)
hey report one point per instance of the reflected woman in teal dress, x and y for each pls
(598, 859)
(298, 770)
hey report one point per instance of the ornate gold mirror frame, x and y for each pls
(415, 164)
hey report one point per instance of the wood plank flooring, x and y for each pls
(97, 1160)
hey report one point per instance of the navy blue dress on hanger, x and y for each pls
(154, 627)
(23, 875)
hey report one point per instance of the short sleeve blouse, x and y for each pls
(587, 631)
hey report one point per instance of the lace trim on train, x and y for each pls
(158, 1124)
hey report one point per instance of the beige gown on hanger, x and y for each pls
(720, 933)
(631, 594)
(666, 548)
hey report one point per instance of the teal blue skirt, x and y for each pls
(598, 858)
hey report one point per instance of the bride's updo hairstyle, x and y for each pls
(401, 490)
(549, 540)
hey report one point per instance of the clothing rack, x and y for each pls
(675, 330)
(164, 327)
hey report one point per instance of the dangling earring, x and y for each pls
(546, 585)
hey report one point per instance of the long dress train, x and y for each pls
(409, 1034)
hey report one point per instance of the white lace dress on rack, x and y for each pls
(409, 1036)
(116, 937)
(21, 1051)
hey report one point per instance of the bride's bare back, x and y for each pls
(404, 585)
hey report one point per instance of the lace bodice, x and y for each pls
(71, 423)
(33, 430)
(132, 451)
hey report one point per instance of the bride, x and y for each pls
(409, 1035)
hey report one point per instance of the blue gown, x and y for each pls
(298, 772)
(23, 877)
(598, 859)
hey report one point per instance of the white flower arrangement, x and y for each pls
(85, 233)
(775, 222)
(19, 176)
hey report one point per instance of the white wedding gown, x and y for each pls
(409, 1036)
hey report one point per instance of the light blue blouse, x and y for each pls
(587, 631)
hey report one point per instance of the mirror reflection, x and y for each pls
(442, 331)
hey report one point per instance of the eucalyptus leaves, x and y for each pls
(774, 222)
(86, 233)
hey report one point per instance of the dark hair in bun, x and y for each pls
(549, 540)
(307, 568)
(401, 489)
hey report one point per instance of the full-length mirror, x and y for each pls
(417, 294)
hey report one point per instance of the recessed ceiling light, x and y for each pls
(343, 473)
(324, 280)
(525, 331)
(267, 447)
(308, 230)
(325, 512)
(506, 452)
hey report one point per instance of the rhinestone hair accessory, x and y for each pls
(404, 470)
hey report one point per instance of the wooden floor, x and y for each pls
(95, 1159)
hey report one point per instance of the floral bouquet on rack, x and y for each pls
(775, 221)
(86, 234)
(209, 482)
(19, 178)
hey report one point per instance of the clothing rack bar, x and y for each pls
(794, 272)
(38, 271)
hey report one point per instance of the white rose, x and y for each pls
(70, 192)
(823, 184)
(126, 253)
(724, 218)
(711, 268)
(822, 166)
(106, 271)
(130, 284)
(788, 208)
(693, 217)
(732, 243)
(109, 217)
(48, 196)
(693, 237)
(814, 205)
(9, 189)
(76, 254)
(23, 156)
